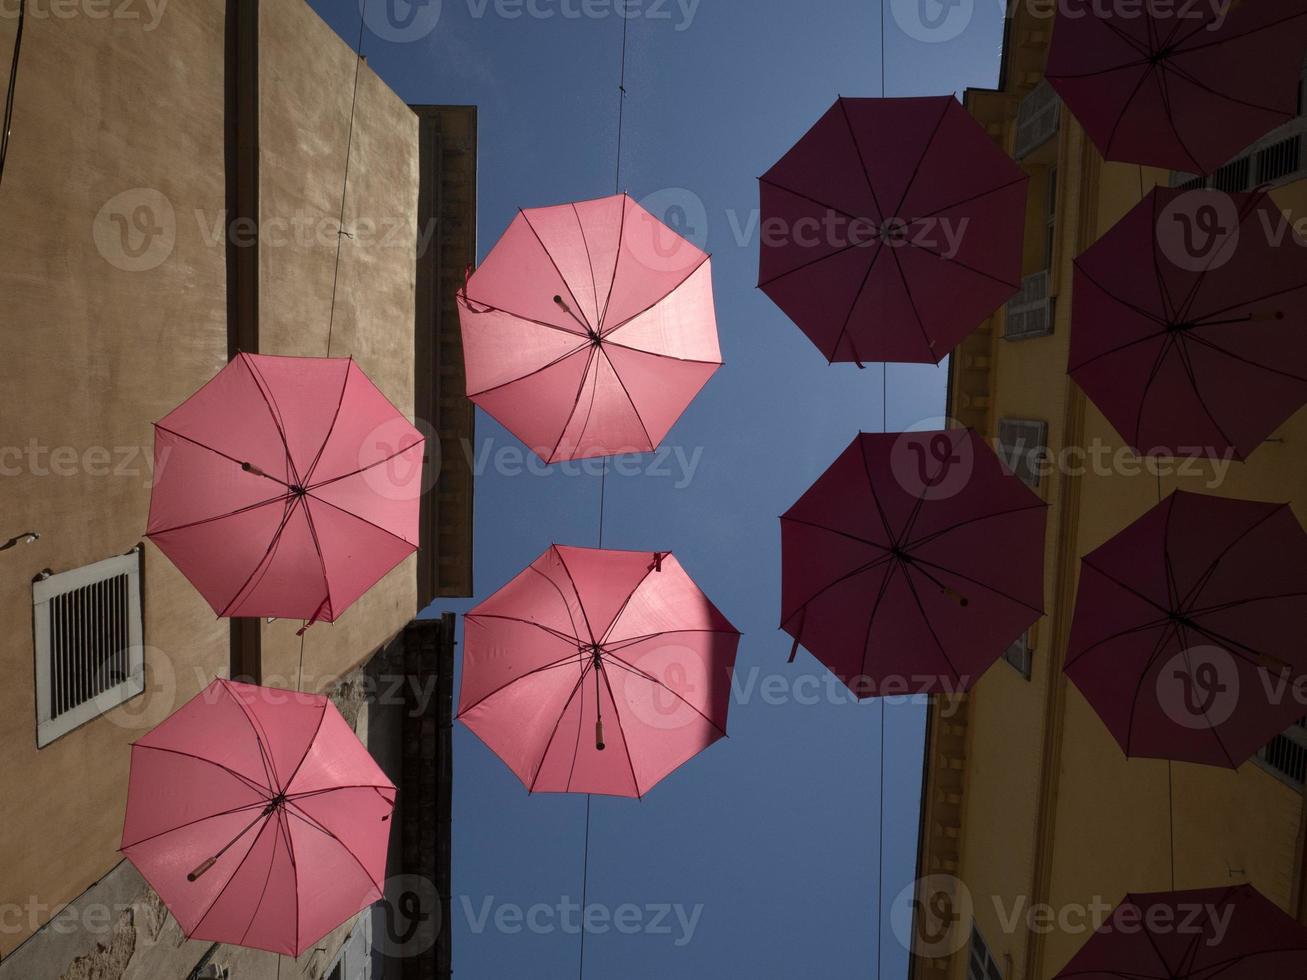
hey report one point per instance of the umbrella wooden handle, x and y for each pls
(599, 735)
(198, 872)
(251, 468)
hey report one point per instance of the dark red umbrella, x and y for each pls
(1216, 934)
(915, 560)
(1187, 637)
(1189, 323)
(1184, 86)
(597, 671)
(892, 229)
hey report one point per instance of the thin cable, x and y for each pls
(603, 491)
(882, 49)
(621, 104)
(585, 880)
(299, 682)
(13, 88)
(349, 151)
(880, 848)
(884, 396)
(1170, 790)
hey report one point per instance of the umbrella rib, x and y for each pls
(594, 284)
(261, 804)
(1204, 342)
(566, 607)
(612, 625)
(575, 314)
(308, 747)
(807, 265)
(298, 814)
(862, 163)
(221, 517)
(1200, 279)
(270, 767)
(576, 744)
(1153, 372)
(491, 308)
(626, 743)
(880, 247)
(935, 535)
(875, 497)
(267, 556)
(1185, 76)
(585, 669)
(577, 592)
(582, 345)
(217, 452)
(322, 562)
(1125, 108)
(1160, 958)
(274, 412)
(1170, 310)
(526, 622)
(252, 784)
(871, 620)
(974, 197)
(1186, 364)
(1239, 37)
(1235, 604)
(617, 259)
(916, 560)
(912, 302)
(331, 429)
(617, 374)
(364, 469)
(688, 276)
(665, 357)
(963, 265)
(632, 669)
(1153, 656)
(356, 517)
(912, 587)
(263, 893)
(925, 151)
(631, 641)
(860, 570)
(563, 662)
(1142, 628)
(580, 390)
(235, 873)
(1163, 85)
(1246, 303)
(842, 534)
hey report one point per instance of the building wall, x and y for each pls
(1029, 799)
(99, 344)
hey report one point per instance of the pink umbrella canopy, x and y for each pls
(1187, 636)
(258, 817)
(597, 671)
(1189, 323)
(1226, 933)
(891, 574)
(589, 329)
(892, 229)
(286, 487)
(1184, 86)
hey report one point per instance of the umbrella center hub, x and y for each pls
(297, 491)
(1180, 327)
(276, 803)
(1180, 619)
(898, 553)
(596, 654)
(1157, 57)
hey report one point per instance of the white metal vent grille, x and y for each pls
(88, 643)
(1030, 312)
(1286, 755)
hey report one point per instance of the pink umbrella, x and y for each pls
(1184, 86)
(1188, 323)
(892, 574)
(1215, 934)
(589, 329)
(892, 229)
(286, 487)
(1187, 636)
(258, 817)
(618, 645)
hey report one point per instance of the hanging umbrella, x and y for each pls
(892, 229)
(1184, 86)
(286, 487)
(258, 817)
(589, 329)
(597, 671)
(1187, 631)
(914, 562)
(1231, 933)
(1188, 323)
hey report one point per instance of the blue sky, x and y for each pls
(772, 834)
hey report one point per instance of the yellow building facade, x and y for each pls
(1034, 824)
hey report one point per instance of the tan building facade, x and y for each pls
(1034, 824)
(173, 194)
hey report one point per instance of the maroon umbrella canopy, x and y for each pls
(1187, 637)
(890, 575)
(1226, 933)
(1189, 323)
(892, 229)
(1184, 86)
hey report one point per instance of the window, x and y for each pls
(1020, 656)
(1050, 218)
(1279, 160)
(1023, 446)
(983, 965)
(1286, 755)
(1233, 177)
(1029, 312)
(88, 643)
(1038, 117)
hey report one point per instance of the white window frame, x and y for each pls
(49, 729)
(981, 964)
(1021, 458)
(1020, 656)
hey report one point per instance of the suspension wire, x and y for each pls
(13, 87)
(880, 849)
(621, 103)
(299, 681)
(349, 152)
(603, 489)
(585, 880)
(1170, 792)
